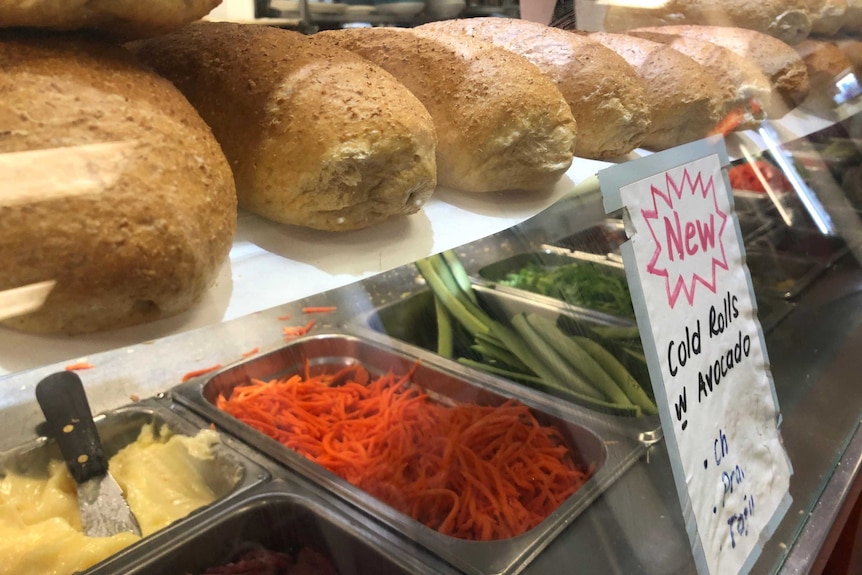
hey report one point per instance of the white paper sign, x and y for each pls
(696, 310)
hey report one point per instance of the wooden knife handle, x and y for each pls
(70, 422)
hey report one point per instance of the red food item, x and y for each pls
(751, 176)
(473, 472)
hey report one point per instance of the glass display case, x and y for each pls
(370, 424)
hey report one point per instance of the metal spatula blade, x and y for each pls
(104, 510)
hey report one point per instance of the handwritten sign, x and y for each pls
(708, 362)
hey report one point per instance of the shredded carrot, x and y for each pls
(202, 371)
(251, 352)
(297, 330)
(319, 309)
(283, 317)
(79, 366)
(469, 471)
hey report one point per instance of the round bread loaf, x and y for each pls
(125, 19)
(606, 96)
(500, 123)
(745, 88)
(780, 62)
(316, 136)
(140, 214)
(685, 101)
(787, 20)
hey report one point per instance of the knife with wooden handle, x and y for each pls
(104, 510)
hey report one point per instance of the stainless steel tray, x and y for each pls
(412, 320)
(286, 517)
(802, 242)
(609, 450)
(500, 271)
(228, 474)
(781, 275)
(603, 238)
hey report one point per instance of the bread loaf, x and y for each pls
(685, 101)
(780, 62)
(316, 136)
(745, 88)
(140, 214)
(500, 123)
(606, 97)
(124, 19)
(787, 20)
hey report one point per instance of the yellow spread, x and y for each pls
(40, 529)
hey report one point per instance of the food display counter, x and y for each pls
(631, 520)
(304, 329)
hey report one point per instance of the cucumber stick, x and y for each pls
(626, 381)
(579, 358)
(550, 361)
(450, 301)
(445, 332)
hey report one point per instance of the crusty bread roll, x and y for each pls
(685, 101)
(316, 136)
(787, 20)
(500, 123)
(827, 16)
(606, 97)
(117, 18)
(745, 88)
(139, 216)
(780, 62)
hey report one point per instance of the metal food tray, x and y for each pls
(802, 242)
(603, 238)
(498, 271)
(283, 516)
(609, 450)
(762, 205)
(413, 320)
(780, 275)
(228, 474)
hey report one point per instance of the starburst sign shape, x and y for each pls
(687, 226)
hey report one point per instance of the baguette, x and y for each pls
(780, 62)
(745, 88)
(606, 97)
(500, 123)
(787, 20)
(138, 217)
(686, 103)
(316, 136)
